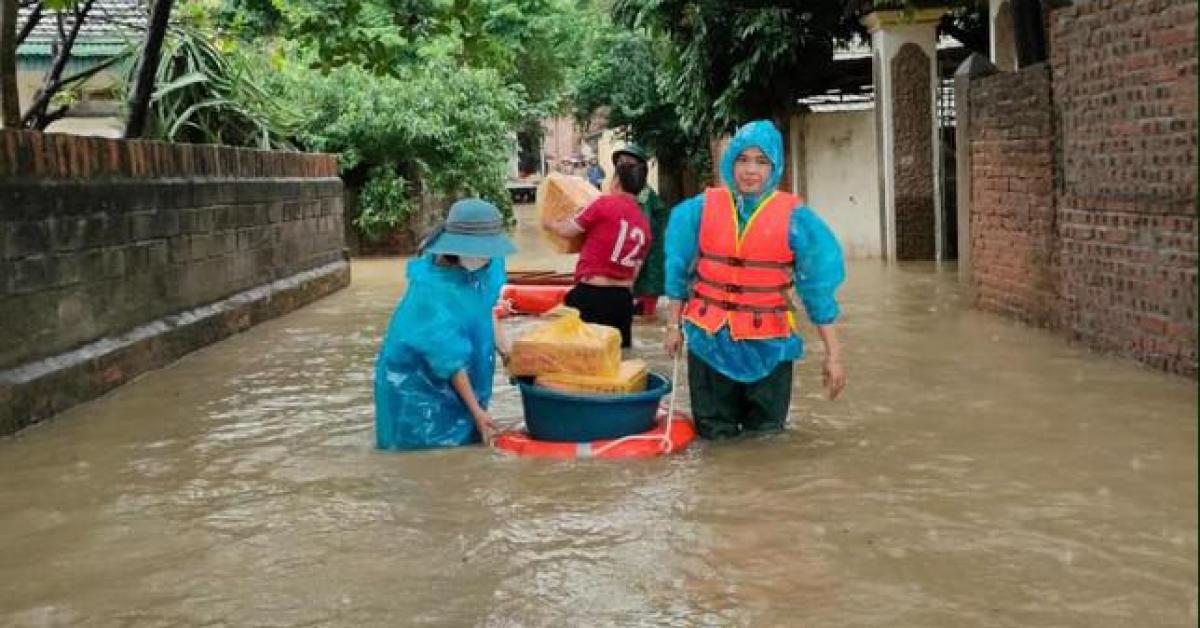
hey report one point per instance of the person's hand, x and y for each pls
(486, 426)
(673, 340)
(833, 375)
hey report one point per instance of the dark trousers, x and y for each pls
(723, 407)
(604, 305)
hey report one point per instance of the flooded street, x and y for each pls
(976, 472)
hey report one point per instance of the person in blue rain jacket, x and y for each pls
(741, 337)
(433, 376)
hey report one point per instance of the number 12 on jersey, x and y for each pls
(634, 234)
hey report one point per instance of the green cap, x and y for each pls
(630, 149)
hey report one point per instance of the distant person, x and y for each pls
(649, 284)
(433, 376)
(595, 174)
(737, 257)
(616, 240)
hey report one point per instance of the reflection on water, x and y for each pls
(976, 473)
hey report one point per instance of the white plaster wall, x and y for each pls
(841, 177)
(112, 126)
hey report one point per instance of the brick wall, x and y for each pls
(1125, 99)
(1012, 216)
(100, 237)
(1084, 182)
(97, 236)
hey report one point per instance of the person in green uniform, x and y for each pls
(649, 284)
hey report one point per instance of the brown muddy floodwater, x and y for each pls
(975, 473)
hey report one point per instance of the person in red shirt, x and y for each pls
(616, 241)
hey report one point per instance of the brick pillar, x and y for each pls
(906, 76)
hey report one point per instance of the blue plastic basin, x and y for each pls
(553, 415)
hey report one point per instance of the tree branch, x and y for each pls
(53, 82)
(52, 117)
(34, 18)
(147, 69)
(88, 73)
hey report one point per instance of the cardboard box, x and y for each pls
(630, 378)
(567, 345)
(562, 196)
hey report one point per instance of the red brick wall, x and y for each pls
(33, 155)
(1124, 90)
(1084, 182)
(1012, 201)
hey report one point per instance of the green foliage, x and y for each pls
(729, 63)
(385, 204)
(531, 44)
(208, 94)
(414, 96)
(248, 20)
(623, 77)
(447, 129)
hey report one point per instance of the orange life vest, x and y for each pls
(743, 280)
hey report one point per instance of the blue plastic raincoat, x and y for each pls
(443, 324)
(818, 266)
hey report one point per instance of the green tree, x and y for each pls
(622, 80)
(734, 61)
(438, 128)
(730, 62)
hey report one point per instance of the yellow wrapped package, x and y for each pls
(561, 196)
(630, 378)
(567, 345)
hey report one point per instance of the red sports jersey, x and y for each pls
(616, 241)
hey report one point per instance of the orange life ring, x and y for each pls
(532, 299)
(645, 445)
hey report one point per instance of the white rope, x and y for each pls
(665, 438)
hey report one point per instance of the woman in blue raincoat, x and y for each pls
(736, 305)
(433, 377)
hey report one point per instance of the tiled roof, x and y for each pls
(108, 21)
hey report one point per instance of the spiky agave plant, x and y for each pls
(207, 94)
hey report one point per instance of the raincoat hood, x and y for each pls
(760, 134)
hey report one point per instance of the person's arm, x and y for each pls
(566, 227)
(673, 341)
(683, 234)
(833, 374)
(577, 224)
(501, 339)
(483, 421)
(819, 270)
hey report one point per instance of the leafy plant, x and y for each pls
(385, 204)
(443, 129)
(207, 92)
